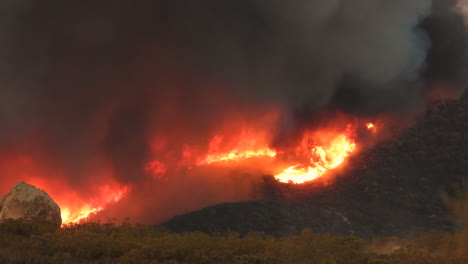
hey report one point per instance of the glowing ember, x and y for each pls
(77, 214)
(371, 126)
(331, 153)
(244, 148)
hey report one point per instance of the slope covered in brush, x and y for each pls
(395, 188)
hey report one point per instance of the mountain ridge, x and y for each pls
(394, 188)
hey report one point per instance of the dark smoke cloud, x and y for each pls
(304, 53)
(90, 80)
(448, 56)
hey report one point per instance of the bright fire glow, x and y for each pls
(371, 127)
(317, 153)
(325, 151)
(244, 147)
(237, 155)
(75, 207)
(314, 155)
(107, 196)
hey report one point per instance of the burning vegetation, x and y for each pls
(88, 208)
(316, 153)
(174, 107)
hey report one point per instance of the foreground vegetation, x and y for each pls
(25, 242)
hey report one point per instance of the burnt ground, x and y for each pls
(395, 188)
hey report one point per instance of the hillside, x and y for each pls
(395, 188)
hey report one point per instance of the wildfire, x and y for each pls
(107, 196)
(371, 127)
(244, 147)
(317, 153)
(84, 212)
(330, 152)
(313, 156)
(237, 155)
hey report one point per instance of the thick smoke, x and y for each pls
(306, 53)
(91, 84)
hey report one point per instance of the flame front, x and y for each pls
(75, 206)
(317, 153)
(244, 147)
(72, 214)
(69, 217)
(321, 158)
(236, 155)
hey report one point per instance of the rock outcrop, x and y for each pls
(25, 201)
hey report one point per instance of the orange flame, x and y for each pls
(107, 196)
(332, 152)
(73, 205)
(371, 127)
(317, 153)
(245, 147)
(237, 155)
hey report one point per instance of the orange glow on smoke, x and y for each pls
(75, 205)
(317, 153)
(324, 151)
(157, 169)
(313, 155)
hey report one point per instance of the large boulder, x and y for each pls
(25, 201)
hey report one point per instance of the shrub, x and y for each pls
(26, 242)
